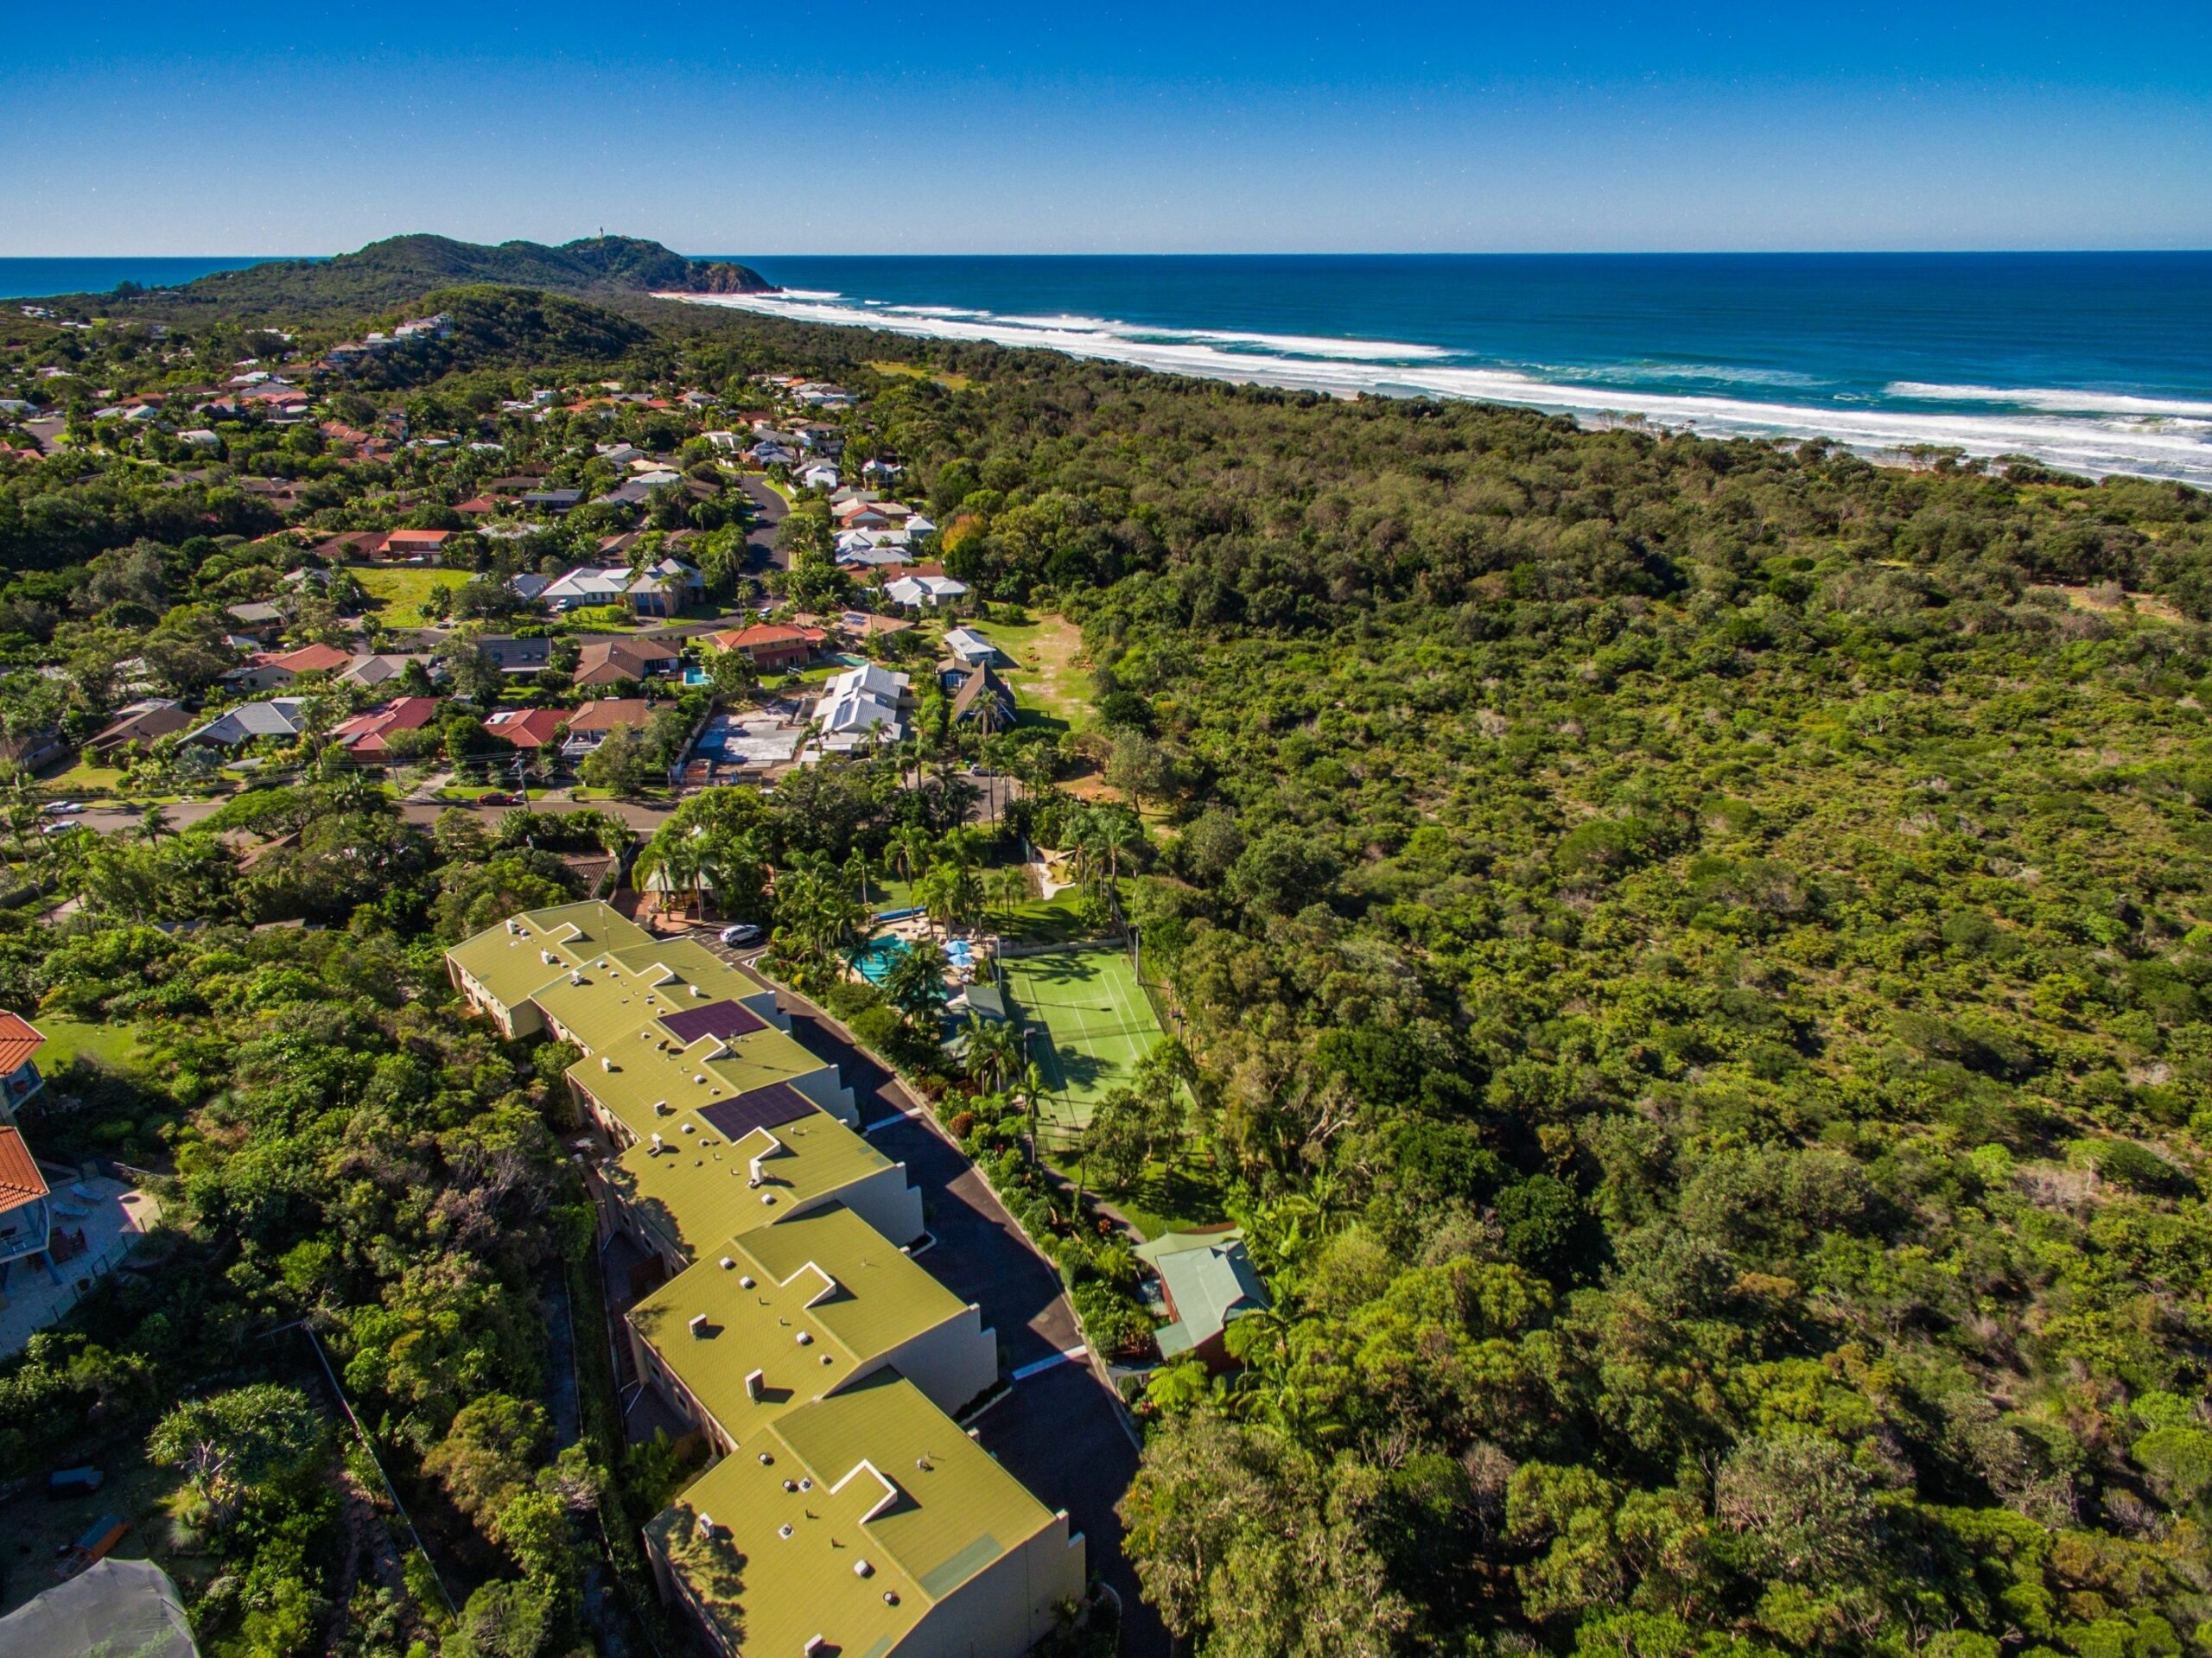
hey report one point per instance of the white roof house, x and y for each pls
(970, 646)
(861, 704)
(924, 592)
(820, 475)
(579, 588)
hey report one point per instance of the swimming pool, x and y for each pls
(877, 960)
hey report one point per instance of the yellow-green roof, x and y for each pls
(829, 1275)
(509, 960)
(929, 1511)
(647, 1072)
(698, 1187)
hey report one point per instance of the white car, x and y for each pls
(743, 933)
(64, 808)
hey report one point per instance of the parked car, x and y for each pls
(63, 808)
(743, 933)
(499, 800)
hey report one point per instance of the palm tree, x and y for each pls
(154, 825)
(993, 1051)
(909, 849)
(1008, 888)
(935, 892)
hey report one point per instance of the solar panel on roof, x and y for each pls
(761, 1108)
(724, 1019)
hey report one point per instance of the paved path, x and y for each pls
(1057, 1429)
(770, 510)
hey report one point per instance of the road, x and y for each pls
(772, 509)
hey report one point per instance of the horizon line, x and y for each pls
(1266, 253)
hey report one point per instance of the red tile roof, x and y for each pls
(745, 639)
(19, 1181)
(18, 1041)
(526, 728)
(309, 659)
(367, 733)
(611, 712)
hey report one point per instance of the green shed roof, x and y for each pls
(1210, 1280)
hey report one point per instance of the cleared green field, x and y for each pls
(1089, 1022)
(397, 591)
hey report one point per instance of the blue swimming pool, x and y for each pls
(877, 959)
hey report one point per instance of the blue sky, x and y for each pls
(247, 128)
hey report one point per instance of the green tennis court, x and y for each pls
(1089, 1024)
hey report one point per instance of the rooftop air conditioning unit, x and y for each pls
(660, 1108)
(606, 1061)
(706, 1525)
(862, 1569)
(657, 1142)
(698, 1324)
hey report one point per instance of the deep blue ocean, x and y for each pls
(2096, 362)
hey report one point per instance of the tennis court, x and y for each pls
(1089, 1024)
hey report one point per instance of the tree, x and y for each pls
(621, 765)
(1139, 767)
(915, 984)
(231, 1447)
(470, 671)
(734, 677)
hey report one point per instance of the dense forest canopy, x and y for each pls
(1696, 968)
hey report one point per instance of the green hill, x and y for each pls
(401, 268)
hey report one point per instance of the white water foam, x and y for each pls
(2074, 432)
(2056, 400)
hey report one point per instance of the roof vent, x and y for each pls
(805, 1339)
(745, 1282)
(862, 1569)
(706, 1525)
(575, 977)
(923, 1462)
(766, 1460)
(891, 1597)
(756, 1383)
(657, 1142)
(727, 1263)
(792, 1485)
(699, 1325)
(805, 1484)
(660, 1108)
(769, 1198)
(815, 1645)
(687, 1128)
(784, 1530)
(548, 958)
(605, 1062)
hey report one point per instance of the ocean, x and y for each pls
(2096, 363)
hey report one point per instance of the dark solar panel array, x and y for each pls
(725, 1020)
(762, 1107)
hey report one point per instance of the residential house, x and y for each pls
(528, 585)
(1207, 1281)
(279, 718)
(30, 750)
(260, 621)
(860, 706)
(512, 655)
(349, 546)
(772, 647)
(971, 649)
(19, 1073)
(582, 587)
(414, 543)
(665, 587)
(369, 734)
(144, 723)
(268, 669)
(924, 592)
(820, 475)
(555, 501)
(526, 727)
(865, 624)
(592, 724)
(615, 662)
(980, 697)
(370, 668)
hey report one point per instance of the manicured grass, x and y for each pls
(69, 1039)
(397, 591)
(1089, 1024)
(1180, 1199)
(1043, 920)
(87, 778)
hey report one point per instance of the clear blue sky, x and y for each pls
(1606, 125)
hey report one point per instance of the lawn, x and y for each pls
(1042, 671)
(397, 591)
(69, 1039)
(85, 778)
(32, 1528)
(1089, 1025)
